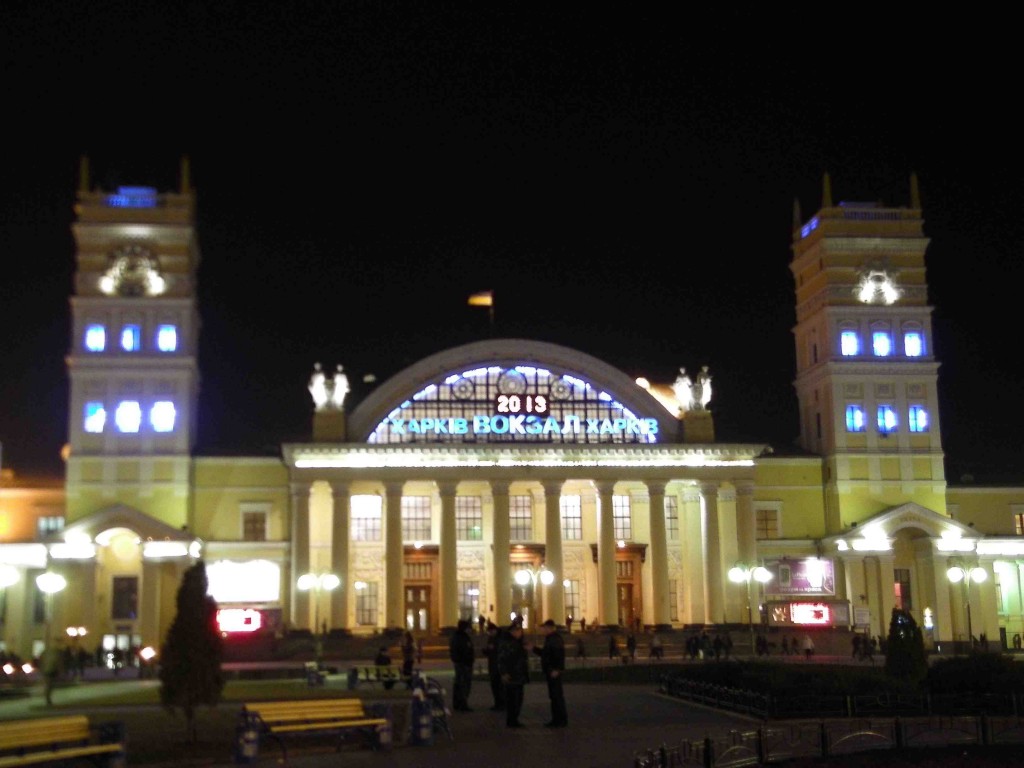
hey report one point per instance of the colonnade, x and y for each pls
(711, 571)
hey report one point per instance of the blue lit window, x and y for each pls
(913, 344)
(161, 416)
(887, 421)
(855, 421)
(128, 416)
(849, 343)
(130, 335)
(95, 417)
(917, 418)
(133, 197)
(166, 338)
(95, 338)
(881, 343)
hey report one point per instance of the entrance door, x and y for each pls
(417, 608)
(625, 604)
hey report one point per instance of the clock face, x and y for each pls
(512, 382)
(132, 271)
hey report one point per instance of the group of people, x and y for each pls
(704, 646)
(508, 667)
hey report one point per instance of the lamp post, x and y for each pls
(959, 573)
(741, 573)
(49, 583)
(317, 583)
(526, 576)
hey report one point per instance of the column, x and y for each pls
(448, 554)
(713, 567)
(887, 591)
(941, 610)
(149, 626)
(871, 571)
(746, 523)
(659, 553)
(300, 553)
(607, 592)
(340, 537)
(394, 557)
(554, 595)
(502, 576)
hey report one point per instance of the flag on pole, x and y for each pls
(482, 299)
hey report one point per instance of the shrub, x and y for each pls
(904, 652)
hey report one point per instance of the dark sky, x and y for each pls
(623, 182)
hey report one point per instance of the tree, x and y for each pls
(904, 652)
(190, 673)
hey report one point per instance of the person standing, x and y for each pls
(552, 664)
(408, 655)
(808, 646)
(513, 663)
(462, 654)
(52, 663)
(494, 639)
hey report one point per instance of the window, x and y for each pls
(254, 525)
(366, 603)
(671, 518)
(520, 518)
(673, 600)
(130, 335)
(572, 518)
(124, 601)
(95, 417)
(901, 585)
(166, 338)
(855, 421)
(913, 344)
(849, 343)
(1018, 524)
(622, 522)
(128, 416)
(95, 338)
(887, 421)
(766, 522)
(161, 416)
(48, 524)
(572, 599)
(365, 518)
(416, 518)
(917, 418)
(881, 343)
(469, 518)
(469, 600)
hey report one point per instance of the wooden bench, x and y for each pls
(279, 720)
(56, 739)
(387, 676)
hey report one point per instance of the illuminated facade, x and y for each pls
(509, 475)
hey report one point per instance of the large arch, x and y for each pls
(509, 353)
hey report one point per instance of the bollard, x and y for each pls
(422, 719)
(247, 741)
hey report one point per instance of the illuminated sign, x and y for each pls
(808, 576)
(239, 620)
(817, 614)
(513, 404)
(522, 424)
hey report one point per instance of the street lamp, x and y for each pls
(958, 573)
(49, 583)
(317, 583)
(526, 576)
(742, 573)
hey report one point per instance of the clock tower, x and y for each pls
(866, 374)
(132, 363)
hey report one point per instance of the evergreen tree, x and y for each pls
(904, 652)
(190, 673)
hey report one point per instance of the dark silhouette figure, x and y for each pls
(408, 654)
(494, 639)
(552, 664)
(514, 665)
(463, 654)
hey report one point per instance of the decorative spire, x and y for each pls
(797, 217)
(915, 193)
(83, 174)
(186, 181)
(826, 192)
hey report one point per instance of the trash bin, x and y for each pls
(247, 740)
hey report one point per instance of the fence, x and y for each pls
(822, 739)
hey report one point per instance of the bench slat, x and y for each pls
(54, 755)
(37, 731)
(330, 724)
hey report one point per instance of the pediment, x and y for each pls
(123, 516)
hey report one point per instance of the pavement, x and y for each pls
(609, 725)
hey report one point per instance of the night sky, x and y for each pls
(623, 182)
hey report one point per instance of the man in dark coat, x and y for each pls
(462, 654)
(552, 664)
(494, 639)
(514, 665)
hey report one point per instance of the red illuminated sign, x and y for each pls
(239, 620)
(810, 613)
